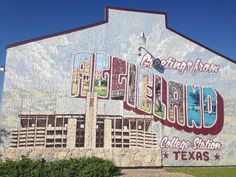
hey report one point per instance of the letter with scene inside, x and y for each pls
(176, 103)
(81, 74)
(194, 113)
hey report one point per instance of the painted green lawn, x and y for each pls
(206, 171)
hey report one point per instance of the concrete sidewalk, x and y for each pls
(150, 173)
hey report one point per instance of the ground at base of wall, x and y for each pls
(227, 171)
(150, 173)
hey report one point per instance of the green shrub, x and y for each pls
(84, 167)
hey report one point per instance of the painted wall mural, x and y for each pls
(147, 81)
(187, 107)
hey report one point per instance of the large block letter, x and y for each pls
(101, 78)
(176, 104)
(119, 78)
(194, 107)
(132, 79)
(81, 74)
(209, 100)
(144, 90)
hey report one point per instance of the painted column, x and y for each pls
(107, 133)
(90, 120)
(71, 133)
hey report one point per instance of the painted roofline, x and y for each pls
(106, 21)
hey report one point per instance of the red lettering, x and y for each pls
(191, 155)
(184, 155)
(206, 156)
(198, 156)
(176, 153)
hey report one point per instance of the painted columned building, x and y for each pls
(89, 128)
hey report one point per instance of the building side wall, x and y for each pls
(40, 73)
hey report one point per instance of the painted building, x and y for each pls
(89, 128)
(129, 82)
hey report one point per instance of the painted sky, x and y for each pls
(209, 22)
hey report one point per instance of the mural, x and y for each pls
(199, 111)
(107, 86)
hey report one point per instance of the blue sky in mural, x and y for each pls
(209, 22)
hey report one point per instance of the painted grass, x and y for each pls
(206, 171)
